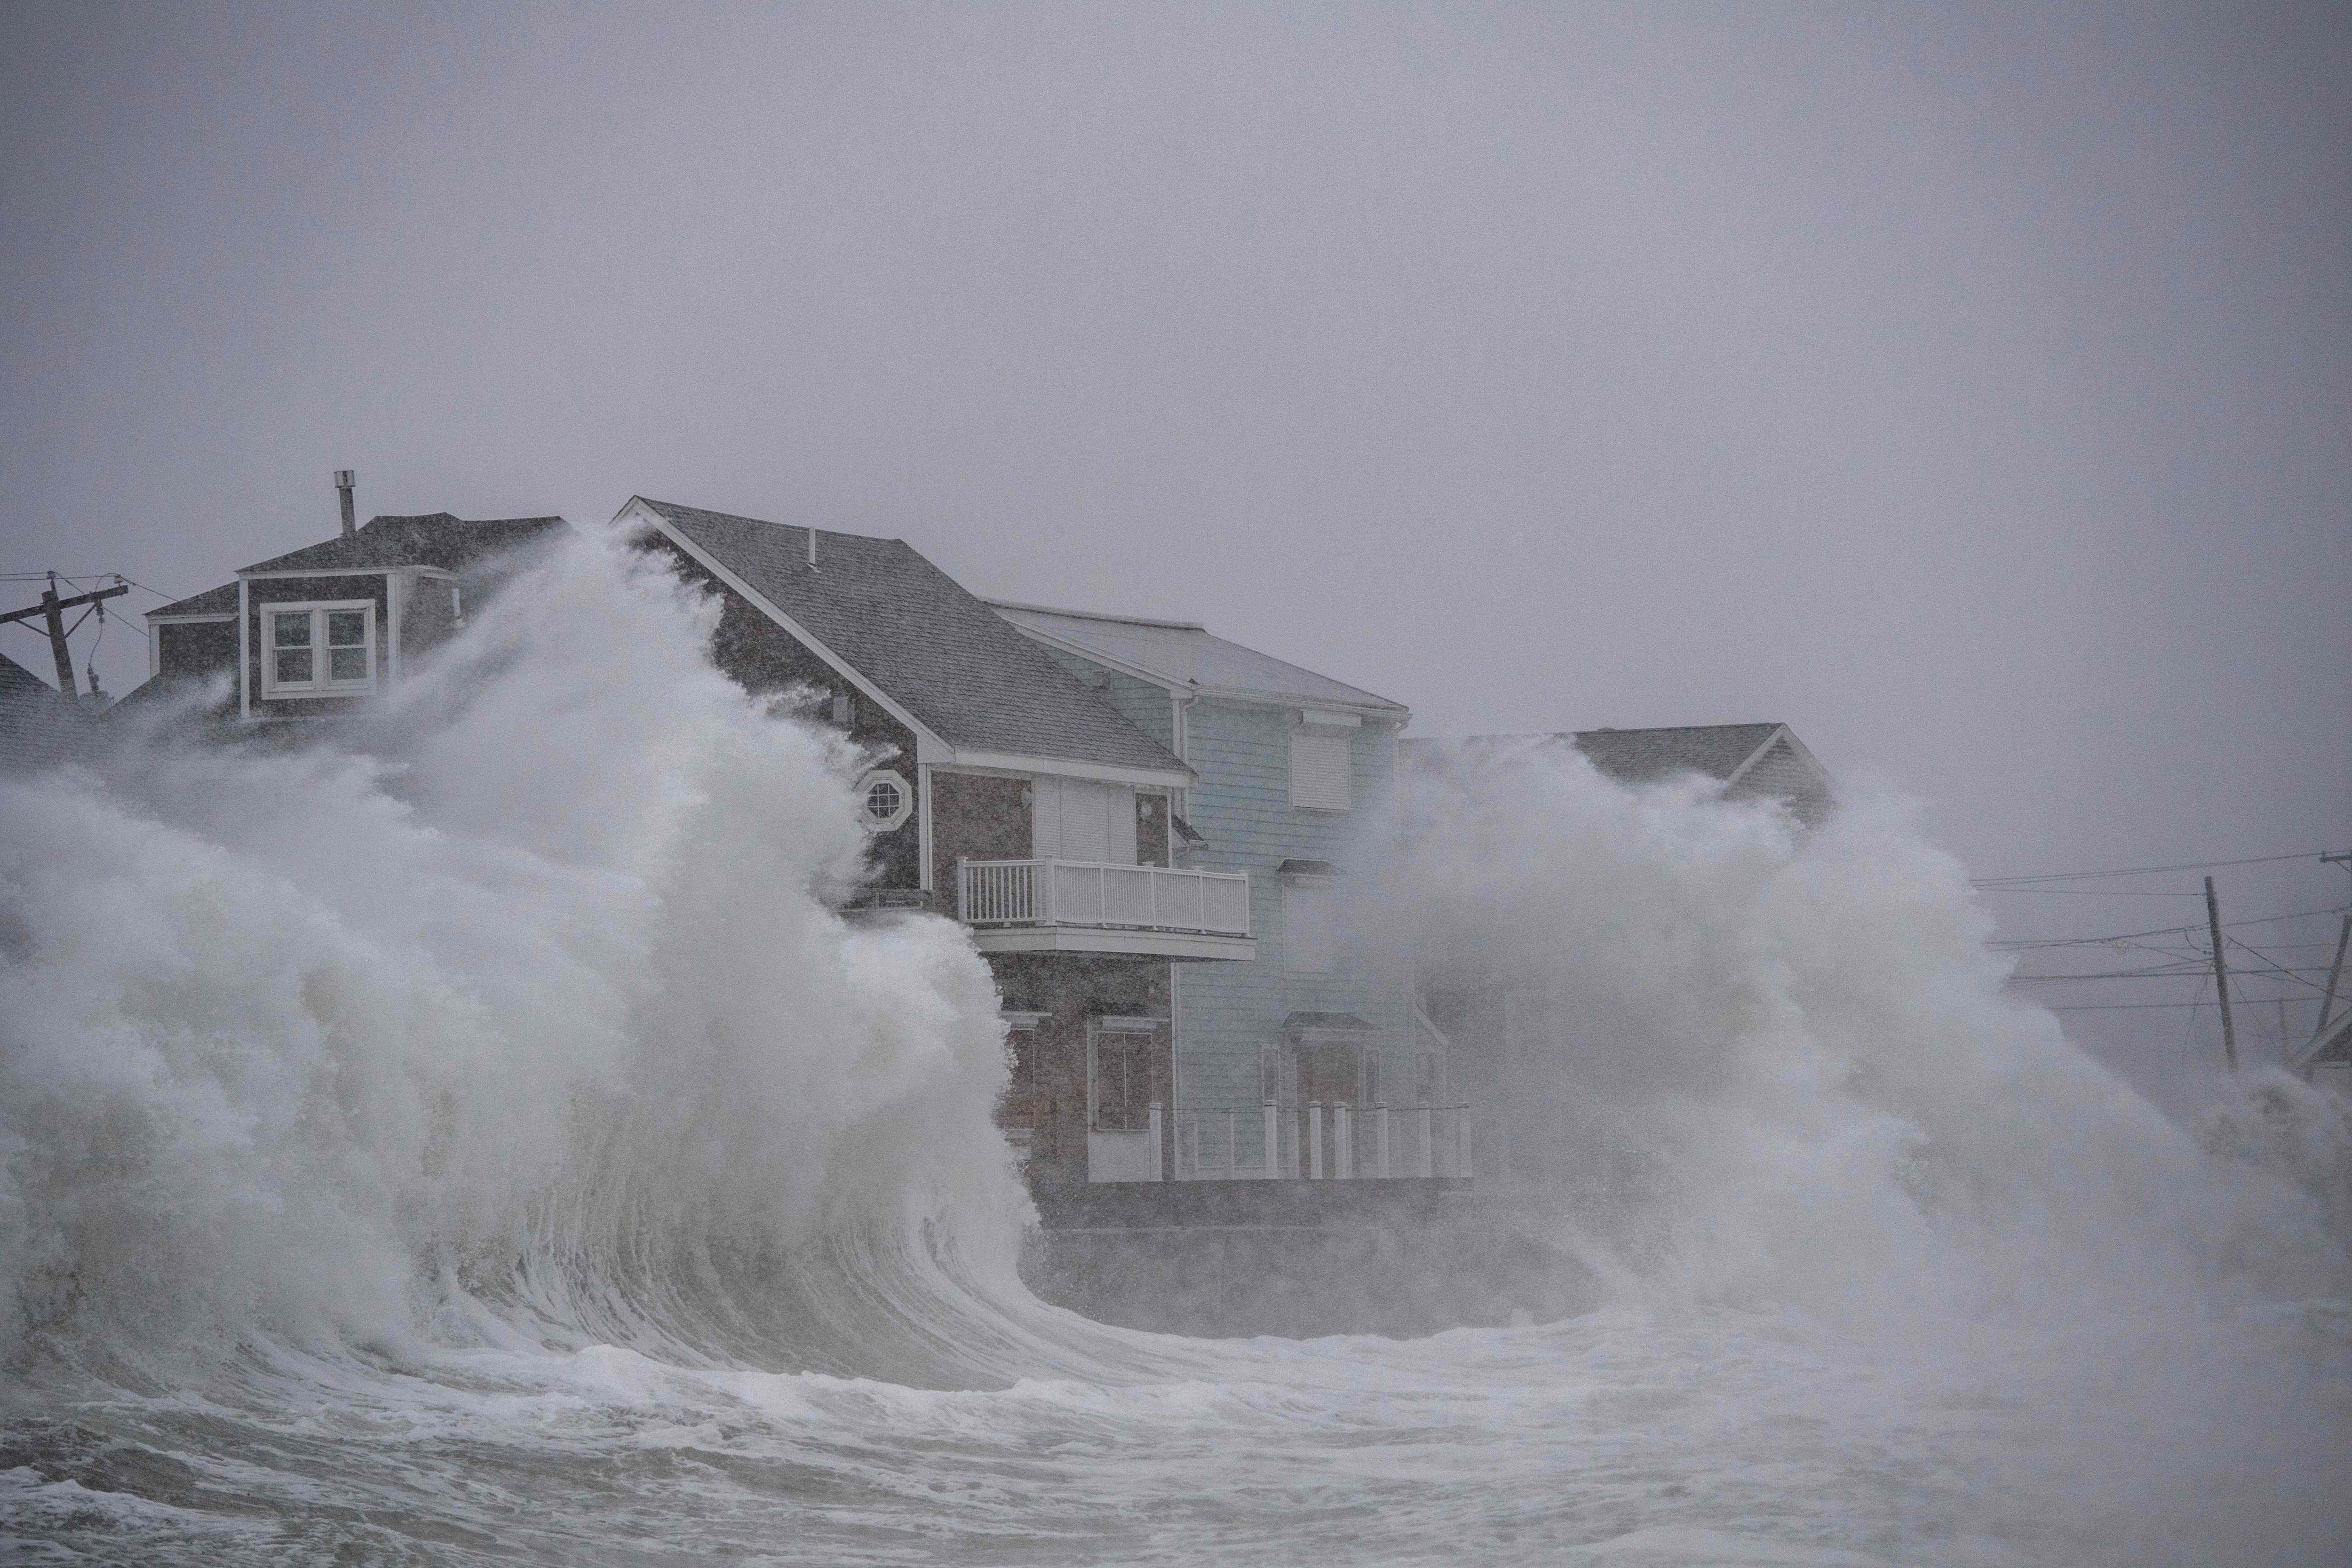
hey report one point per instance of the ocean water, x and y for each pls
(471, 1138)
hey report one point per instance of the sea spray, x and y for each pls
(469, 1134)
(541, 1000)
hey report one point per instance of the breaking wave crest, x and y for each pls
(544, 1031)
(1778, 1064)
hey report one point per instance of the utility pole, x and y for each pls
(2334, 973)
(2220, 976)
(52, 609)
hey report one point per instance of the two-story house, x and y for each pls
(314, 632)
(1005, 792)
(1310, 1060)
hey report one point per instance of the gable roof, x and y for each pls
(1641, 756)
(877, 608)
(37, 725)
(431, 538)
(2332, 1044)
(1185, 655)
(1748, 760)
(220, 601)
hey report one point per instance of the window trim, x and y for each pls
(322, 683)
(1136, 1039)
(892, 776)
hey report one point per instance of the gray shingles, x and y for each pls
(38, 727)
(911, 629)
(1640, 756)
(1184, 652)
(220, 601)
(431, 538)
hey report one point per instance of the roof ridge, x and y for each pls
(769, 522)
(1096, 616)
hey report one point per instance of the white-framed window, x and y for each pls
(1120, 1073)
(885, 800)
(320, 649)
(1319, 770)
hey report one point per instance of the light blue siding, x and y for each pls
(1228, 1012)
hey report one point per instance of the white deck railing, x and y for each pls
(1317, 1142)
(1090, 893)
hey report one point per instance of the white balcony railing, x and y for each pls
(1089, 893)
(1315, 1143)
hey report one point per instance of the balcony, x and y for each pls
(1084, 906)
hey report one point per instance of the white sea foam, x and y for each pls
(473, 1136)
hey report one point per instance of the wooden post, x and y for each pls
(2220, 976)
(1383, 1140)
(1273, 1140)
(53, 612)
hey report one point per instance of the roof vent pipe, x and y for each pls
(345, 481)
(811, 548)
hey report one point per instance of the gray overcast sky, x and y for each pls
(1966, 387)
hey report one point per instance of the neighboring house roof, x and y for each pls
(37, 726)
(2332, 1044)
(877, 609)
(1748, 760)
(1643, 756)
(212, 601)
(1184, 656)
(434, 539)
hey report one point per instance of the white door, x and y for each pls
(1079, 819)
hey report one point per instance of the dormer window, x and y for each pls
(884, 800)
(318, 650)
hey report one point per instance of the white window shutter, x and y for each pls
(1318, 770)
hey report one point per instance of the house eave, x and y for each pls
(1102, 940)
(1073, 768)
(930, 746)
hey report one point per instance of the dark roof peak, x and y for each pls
(943, 656)
(389, 540)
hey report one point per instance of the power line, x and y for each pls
(2136, 870)
(2023, 943)
(2083, 892)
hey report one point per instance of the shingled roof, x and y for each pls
(432, 539)
(1188, 656)
(1751, 760)
(220, 601)
(38, 727)
(1641, 756)
(942, 656)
